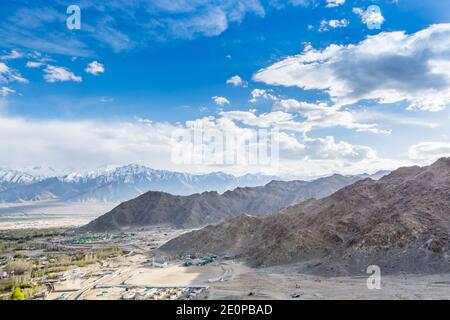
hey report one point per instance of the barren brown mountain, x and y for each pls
(158, 208)
(400, 223)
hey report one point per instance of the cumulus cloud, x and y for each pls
(94, 143)
(370, 17)
(220, 101)
(390, 67)
(258, 94)
(59, 74)
(12, 55)
(295, 153)
(430, 150)
(321, 115)
(237, 81)
(335, 3)
(326, 25)
(95, 68)
(292, 115)
(328, 148)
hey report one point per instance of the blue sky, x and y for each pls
(164, 61)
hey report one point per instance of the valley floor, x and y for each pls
(133, 275)
(249, 283)
(49, 214)
(235, 281)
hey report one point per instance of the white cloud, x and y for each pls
(326, 25)
(295, 116)
(335, 3)
(59, 74)
(297, 155)
(10, 75)
(369, 17)
(429, 151)
(265, 120)
(220, 101)
(237, 81)
(396, 120)
(191, 19)
(90, 144)
(321, 115)
(34, 64)
(328, 148)
(85, 143)
(262, 94)
(5, 91)
(302, 3)
(210, 23)
(390, 67)
(14, 54)
(95, 68)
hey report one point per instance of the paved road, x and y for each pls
(77, 295)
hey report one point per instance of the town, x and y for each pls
(54, 265)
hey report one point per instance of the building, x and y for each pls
(159, 263)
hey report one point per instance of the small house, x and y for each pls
(159, 264)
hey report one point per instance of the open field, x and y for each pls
(49, 214)
(242, 283)
(248, 283)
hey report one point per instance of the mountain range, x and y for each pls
(12, 178)
(116, 184)
(158, 208)
(400, 223)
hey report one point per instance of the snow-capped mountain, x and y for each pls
(14, 178)
(43, 171)
(117, 184)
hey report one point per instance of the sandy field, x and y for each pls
(242, 283)
(49, 214)
(174, 276)
(247, 283)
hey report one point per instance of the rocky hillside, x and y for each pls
(155, 208)
(400, 223)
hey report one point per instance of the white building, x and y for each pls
(159, 264)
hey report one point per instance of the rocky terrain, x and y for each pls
(400, 223)
(155, 208)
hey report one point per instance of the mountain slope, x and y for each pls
(123, 183)
(13, 178)
(400, 223)
(155, 208)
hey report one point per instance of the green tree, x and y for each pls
(17, 294)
